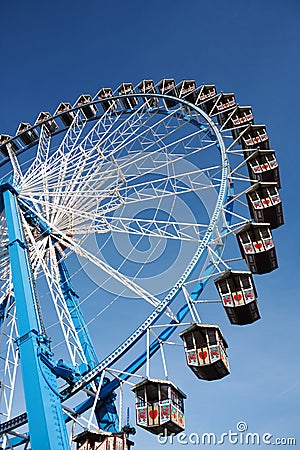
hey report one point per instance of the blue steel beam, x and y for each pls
(105, 411)
(76, 314)
(44, 411)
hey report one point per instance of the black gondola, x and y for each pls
(88, 110)
(257, 247)
(239, 119)
(263, 166)
(265, 204)
(205, 349)
(106, 93)
(223, 107)
(159, 406)
(148, 87)
(50, 123)
(4, 144)
(66, 116)
(27, 135)
(167, 86)
(239, 297)
(206, 96)
(187, 90)
(255, 137)
(128, 102)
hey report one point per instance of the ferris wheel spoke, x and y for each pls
(183, 232)
(160, 189)
(4, 268)
(54, 160)
(103, 129)
(122, 279)
(193, 178)
(38, 253)
(70, 139)
(67, 186)
(156, 228)
(71, 337)
(180, 183)
(17, 173)
(117, 148)
(95, 216)
(135, 181)
(158, 143)
(84, 179)
(137, 120)
(106, 131)
(61, 177)
(154, 164)
(76, 163)
(125, 138)
(52, 278)
(75, 152)
(41, 154)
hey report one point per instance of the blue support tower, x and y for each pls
(76, 314)
(105, 411)
(46, 421)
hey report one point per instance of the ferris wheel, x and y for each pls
(116, 212)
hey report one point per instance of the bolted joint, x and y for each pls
(19, 242)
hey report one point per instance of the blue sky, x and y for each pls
(55, 51)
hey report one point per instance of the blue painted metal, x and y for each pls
(16, 442)
(105, 411)
(76, 314)
(61, 369)
(45, 417)
(32, 218)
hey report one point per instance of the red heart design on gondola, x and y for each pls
(153, 414)
(265, 166)
(266, 201)
(258, 245)
(237, 297)
(203, 355)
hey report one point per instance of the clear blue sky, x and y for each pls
(53, 51)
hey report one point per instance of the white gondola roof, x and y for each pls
(196, 326)
(157, 381)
